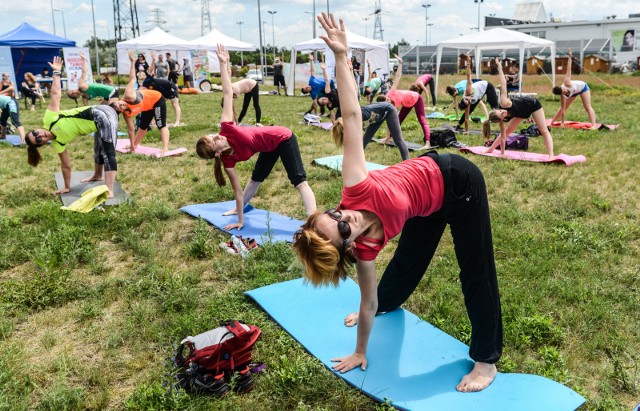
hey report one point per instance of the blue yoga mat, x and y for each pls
(411, 363)
(259, 224)
(335, 163)
(12, 139)
(435, 114)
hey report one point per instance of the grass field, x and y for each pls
(91, 305)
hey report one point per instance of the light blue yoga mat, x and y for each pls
(435, 114)
(410, 363)
(335, 163)
(259, 224)
(12, 139)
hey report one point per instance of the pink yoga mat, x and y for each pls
(525, 156)
(579, 125)
(147, 151)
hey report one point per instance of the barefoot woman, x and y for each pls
(61, 127)
(419, 197)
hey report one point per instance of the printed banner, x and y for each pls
(73, 66)
(200, 66)
(6, 65)
(625, 40)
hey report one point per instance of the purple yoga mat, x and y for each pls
(525, 156)
(147, 151)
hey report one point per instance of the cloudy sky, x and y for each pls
(401, 19)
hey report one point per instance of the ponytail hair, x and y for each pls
(486, 126)
(337, 132)
(204, 150)
(33, 155)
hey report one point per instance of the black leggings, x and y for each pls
(378, 113)
(255, 95)
(492, 100)
(432, 90)
(29, 93)
(159, 112)
(466, 210)
(289, 152)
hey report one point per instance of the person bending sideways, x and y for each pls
(61, 127)
(10, 109)
(235, 144)
(473, 95)
(417, 197)
(568, 91)
(167, 88)
(513, 110)
(108, 94)
(149, 104)
(421, 85)
(408, 100)
(316, 86)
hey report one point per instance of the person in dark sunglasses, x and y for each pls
(418, 197)
(61, 127)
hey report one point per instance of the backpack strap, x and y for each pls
(234, 326)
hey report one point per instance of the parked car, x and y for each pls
(255, 74)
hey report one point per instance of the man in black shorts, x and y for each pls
(278, 77)
(174, 66)
(168, 89)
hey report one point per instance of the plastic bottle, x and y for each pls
(242, 249)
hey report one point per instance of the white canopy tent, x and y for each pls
(498, 39)
(377, 52)
(211, 40)
(156, 39)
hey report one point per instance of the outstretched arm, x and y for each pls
(152, 68)
(238, 193)
(396, 81)
(130, 91)
(56, 90)
(227, 87)
(504, 96)
(82, 83)
(312, 66)
(469, 89)
(567, 76)
(327, 83)
(354, 168)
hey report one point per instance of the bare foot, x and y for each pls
(92, 178)
(426, 146)
(351, 319)
(479, 378)
(488, 151)
(111, 195)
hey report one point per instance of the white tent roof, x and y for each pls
(214, 37)
(156, 39)
(354, 41)
(498, 38)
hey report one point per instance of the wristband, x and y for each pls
(56, 72)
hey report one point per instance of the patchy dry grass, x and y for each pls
(90, 304)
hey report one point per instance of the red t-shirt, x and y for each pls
(412, 188)
(246, 141)
(404, 98)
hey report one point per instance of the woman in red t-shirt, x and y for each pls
(235, 144)
(419, 197)
(408, 100)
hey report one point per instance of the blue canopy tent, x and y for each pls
(32, 49)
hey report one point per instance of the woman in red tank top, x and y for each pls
(417, 197)
(235, 144)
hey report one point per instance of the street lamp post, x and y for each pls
(260, 31)
(64, 25)
(366, 26)
(426, 23)
(478, 1)
(273, 33)
(53, 18)
(240, 23)
(95, 38)
(429, 28)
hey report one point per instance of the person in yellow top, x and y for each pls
(149, 104)
(62, 127)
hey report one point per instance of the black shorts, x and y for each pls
(278, 80)
(289, 152)
(114, 94)
(188, 78)
(159, 112)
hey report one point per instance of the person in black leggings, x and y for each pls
(254, 95)
(473, 95)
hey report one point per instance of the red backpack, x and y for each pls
(208, 361)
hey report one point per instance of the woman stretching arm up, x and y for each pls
(417, 197)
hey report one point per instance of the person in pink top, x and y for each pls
(408, 100)
(421, 85)
(235, 144)
(418, 197)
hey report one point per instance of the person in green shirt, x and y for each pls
(62, 127)
(89, 91)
